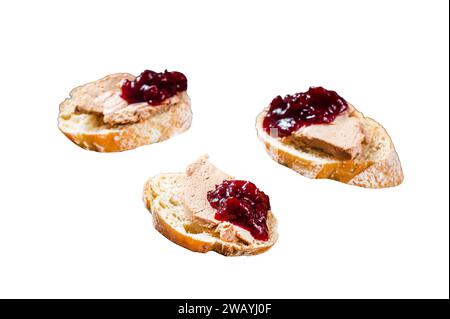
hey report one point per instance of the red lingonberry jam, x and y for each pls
(153, 87)
(243, 204)
(316, 106)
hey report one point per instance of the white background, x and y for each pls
(72, 223)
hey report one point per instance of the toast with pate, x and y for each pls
(121, 112)
(320, 135)
(205, 209)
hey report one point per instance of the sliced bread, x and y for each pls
(376, 166)
(90, 131)
(163, 196)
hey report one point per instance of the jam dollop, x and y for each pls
(153, 87)
(243, 204)
(315, 106)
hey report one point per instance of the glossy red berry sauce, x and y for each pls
(153, 87)
(315, 106)
(243, 204)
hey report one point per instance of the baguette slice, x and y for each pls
(163, 197)
(377, 166)
(90, 132)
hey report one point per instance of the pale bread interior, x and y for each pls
(86, 123)
(167, 202)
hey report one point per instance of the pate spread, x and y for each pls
(202, 177)
(317, 118)
(103, 98)
(341, 138)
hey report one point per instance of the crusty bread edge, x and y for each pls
(197, 245)
(380, 174)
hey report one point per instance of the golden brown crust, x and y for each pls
(181, 239)
(384, 172)
(151, 194)
(200, 246)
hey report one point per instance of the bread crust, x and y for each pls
(382, 173)
(119, 138)
(152, 194)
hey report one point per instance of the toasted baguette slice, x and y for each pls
(377, 166)
(163, 197)
(90, 132)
